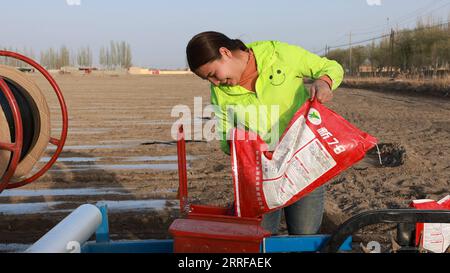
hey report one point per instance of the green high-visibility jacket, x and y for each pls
(280, 91)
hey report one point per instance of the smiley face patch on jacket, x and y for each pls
(277, 77)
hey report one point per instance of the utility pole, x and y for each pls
(391, 52)
(387, 25)
(350, 53)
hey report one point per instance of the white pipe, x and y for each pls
(71, 233)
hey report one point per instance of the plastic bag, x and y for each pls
(433, 237)
(317, 145)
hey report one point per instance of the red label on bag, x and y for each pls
(316, 146)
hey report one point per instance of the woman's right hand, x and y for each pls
(320, 90)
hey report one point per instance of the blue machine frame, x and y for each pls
(274, 244)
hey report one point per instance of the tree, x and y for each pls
(117, 55)
(84, 57)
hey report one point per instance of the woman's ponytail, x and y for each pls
(204, 48)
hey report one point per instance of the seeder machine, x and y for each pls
(200, 228)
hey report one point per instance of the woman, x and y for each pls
(265, 74)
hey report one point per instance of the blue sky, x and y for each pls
(158, 31)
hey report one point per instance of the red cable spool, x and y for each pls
(17, 145)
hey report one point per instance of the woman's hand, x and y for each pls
(321, 90)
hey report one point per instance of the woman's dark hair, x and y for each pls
(204, 48)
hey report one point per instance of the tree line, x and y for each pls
(114, 56)
(14, 62)
(422, 51)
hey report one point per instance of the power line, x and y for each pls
(359, 42)
(414, 14)
(379, 37)
(327, 48)
(403, 20)
(427, 13)
(319, 51)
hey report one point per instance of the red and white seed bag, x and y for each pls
(434, 237)
(317, 145)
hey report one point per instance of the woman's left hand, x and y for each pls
(321, 90)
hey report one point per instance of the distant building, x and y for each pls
(366, 67)
(134, 70)
(144, 71)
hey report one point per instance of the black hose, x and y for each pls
(26, 112)
(387, 216)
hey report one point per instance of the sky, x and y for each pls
(158, 31)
